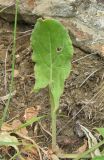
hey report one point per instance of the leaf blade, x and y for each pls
(52, 52)
(98, 158)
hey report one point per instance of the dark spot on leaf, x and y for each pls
(43, 18)
(59, 49)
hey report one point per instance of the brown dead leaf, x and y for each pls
(16, 124)
(16, 73)
(31, 112)
(30, 152)
(83, 147)
(31, 3)
(6, 127)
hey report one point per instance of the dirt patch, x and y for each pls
(82, 100)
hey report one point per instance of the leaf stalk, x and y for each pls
(53, 119)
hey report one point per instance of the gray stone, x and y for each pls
(55, 8)
(7, 9)
(84, 19)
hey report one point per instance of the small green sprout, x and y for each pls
(52, 53)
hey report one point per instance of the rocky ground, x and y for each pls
(82, 100)
(83, 19)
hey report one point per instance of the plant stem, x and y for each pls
(72, 156)
(53, 119)
(54, 131)
(13, 65)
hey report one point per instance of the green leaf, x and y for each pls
(98, 158)
(52, 53)
(100, 130)
(7, 140)
(30, 122)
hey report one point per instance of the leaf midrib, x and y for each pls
(50, 53)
